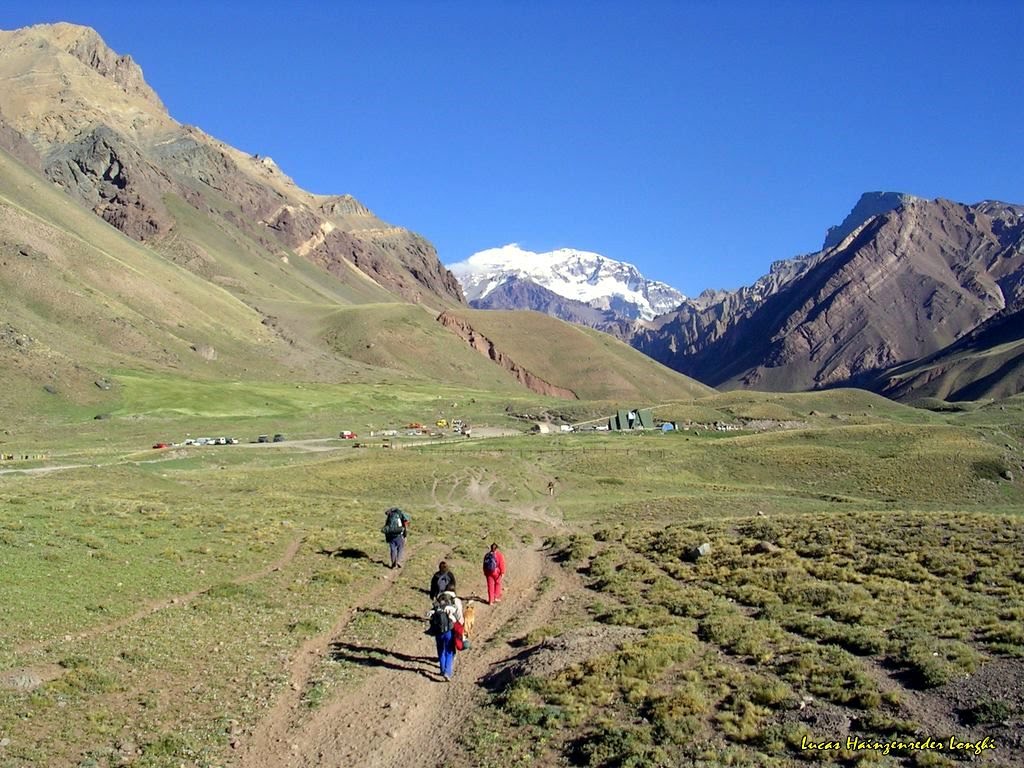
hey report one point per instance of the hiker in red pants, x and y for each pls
(494, 571)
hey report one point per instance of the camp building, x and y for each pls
(638, 418)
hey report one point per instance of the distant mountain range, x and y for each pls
(130, 242)
(908, 297)
(565, 283)
(908, 284)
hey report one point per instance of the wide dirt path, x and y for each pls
(393, 714)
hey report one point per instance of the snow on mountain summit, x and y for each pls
(584, 276)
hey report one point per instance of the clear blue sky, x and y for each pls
(700, 141)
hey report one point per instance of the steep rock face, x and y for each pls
(414, 256)
(12, 142)
(88, 47)
(870, 205)
(486, 347)
(106, 138)
(112, 178)
(904, 285)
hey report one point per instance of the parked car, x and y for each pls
(263, 439)
(278, 438)
(347, 435)
(162, 445)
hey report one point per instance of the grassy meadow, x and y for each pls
(862, 563)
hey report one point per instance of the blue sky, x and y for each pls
(700, 141)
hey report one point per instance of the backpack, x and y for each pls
(444, 581)
(490, 563)
(394, 522)
(459, 636)
(440, 622)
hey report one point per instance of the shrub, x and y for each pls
(990, 712)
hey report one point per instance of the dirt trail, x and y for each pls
(391, 717)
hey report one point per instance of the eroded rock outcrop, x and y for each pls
(111, 177)
(487, 348)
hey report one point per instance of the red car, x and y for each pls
(346, 435)
(162, 445)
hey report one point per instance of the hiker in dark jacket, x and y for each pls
(395, 530)
(442, 581)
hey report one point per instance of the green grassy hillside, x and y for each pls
(406, 341)
(83, 303)
(80, 299)
(594, 365)
(838, 551)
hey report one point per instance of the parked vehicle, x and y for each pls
(263, 439)
(347, 435)
(162, 445)
(278, 438)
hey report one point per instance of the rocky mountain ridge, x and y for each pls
(104, 136)
(900, 286)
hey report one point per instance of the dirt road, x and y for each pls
(392, 715)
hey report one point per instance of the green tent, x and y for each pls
(638, 418)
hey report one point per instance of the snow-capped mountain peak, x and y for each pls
(583, 276)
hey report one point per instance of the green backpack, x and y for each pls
(394, 522)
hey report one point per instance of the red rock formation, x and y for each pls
(461, 328)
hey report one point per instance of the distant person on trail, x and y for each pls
(442, 581)
(395, 530)
(551, 487)
(494, 571)
(446, 622)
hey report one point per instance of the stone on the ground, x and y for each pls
(696, 553)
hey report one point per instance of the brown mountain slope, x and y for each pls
(569, 361)
(104, 136)
(986, 363)
(905, 285)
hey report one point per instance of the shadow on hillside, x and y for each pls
(349, 553)
(504, 675)
(393, 615)
(368, 656)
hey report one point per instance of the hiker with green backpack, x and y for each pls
(395, 530)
